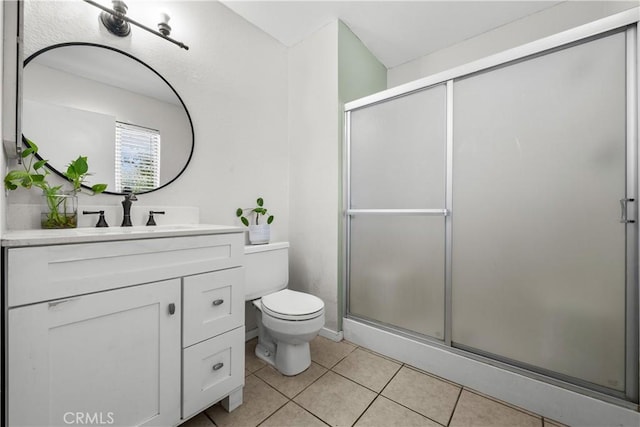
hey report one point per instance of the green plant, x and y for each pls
(34, 174)
(76, 173)
(257, 211)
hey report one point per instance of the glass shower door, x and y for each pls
(539, 248)
(396, 215)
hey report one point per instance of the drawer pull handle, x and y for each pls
(55, 303)
(218, 366)
(218, 302)
(172, 309)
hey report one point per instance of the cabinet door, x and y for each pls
(106, 358)
(213, 304)
(212, 369)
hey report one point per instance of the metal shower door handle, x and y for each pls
(623, 211)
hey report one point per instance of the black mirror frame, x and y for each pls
(57, 172)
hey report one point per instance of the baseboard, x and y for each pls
(324, 332)
(548, 400)
(251, 334)
(332, 335)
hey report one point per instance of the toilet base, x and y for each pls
(289, 353)
(292, 359)
(265, 354)
(289, 360)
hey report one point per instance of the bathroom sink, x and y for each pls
(144, 229)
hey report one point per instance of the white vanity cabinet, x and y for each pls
(94, 355)
(213, 358)
(126, 333)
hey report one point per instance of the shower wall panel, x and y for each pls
(398, 152)
(533, 163)
(397, 271)
(397, 164)
(538, 249)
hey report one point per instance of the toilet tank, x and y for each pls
(266, 269)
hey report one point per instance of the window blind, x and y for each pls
(137, 158)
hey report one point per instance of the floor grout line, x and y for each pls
(312, 414)
(208, 417)
(455, 406)
(274, 412)
(365, 410)
(380, 395)
(310, 384)
(392, 377)
(505, 404)
(290, 399)
(278, 391)
(356, 382)
(377, 394)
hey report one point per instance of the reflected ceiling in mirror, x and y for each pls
(97, 101)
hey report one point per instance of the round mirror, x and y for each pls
(97, 101)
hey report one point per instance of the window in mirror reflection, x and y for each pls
(137, 158)
(74, 93)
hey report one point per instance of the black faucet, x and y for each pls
(101, 221)
(152, 220)
(129, 198)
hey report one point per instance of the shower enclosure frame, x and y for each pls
(626, 22)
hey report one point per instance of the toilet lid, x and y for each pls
(292, 305)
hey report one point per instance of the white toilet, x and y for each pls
(287, 320)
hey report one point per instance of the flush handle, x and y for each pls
(172, 309)
(218, 366)
(218, 302)
(623, 211)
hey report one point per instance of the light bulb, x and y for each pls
(163, 25)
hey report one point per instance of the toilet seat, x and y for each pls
(291, 305)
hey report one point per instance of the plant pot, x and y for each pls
(59, 211)
(259, 234)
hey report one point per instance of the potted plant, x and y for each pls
(61, 207)
(258, 233)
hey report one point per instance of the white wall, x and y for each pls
(314, 166)
(3, 162)
(328, 68)
(3, 208)
(233, 80)
(566, 15)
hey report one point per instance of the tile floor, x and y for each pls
(347, 385)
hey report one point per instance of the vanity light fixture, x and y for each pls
(163, 25)
(117, 22)
(113, 23)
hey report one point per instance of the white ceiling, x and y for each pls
(395, 31)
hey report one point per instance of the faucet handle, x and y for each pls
(102, 222)
(152, 220)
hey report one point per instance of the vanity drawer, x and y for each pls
(211, 370)
(213, 303)
(59, 271)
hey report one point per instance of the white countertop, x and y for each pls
(17, 238)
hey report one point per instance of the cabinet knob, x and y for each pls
(218, 302)
(172, 308)
(218, 366)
